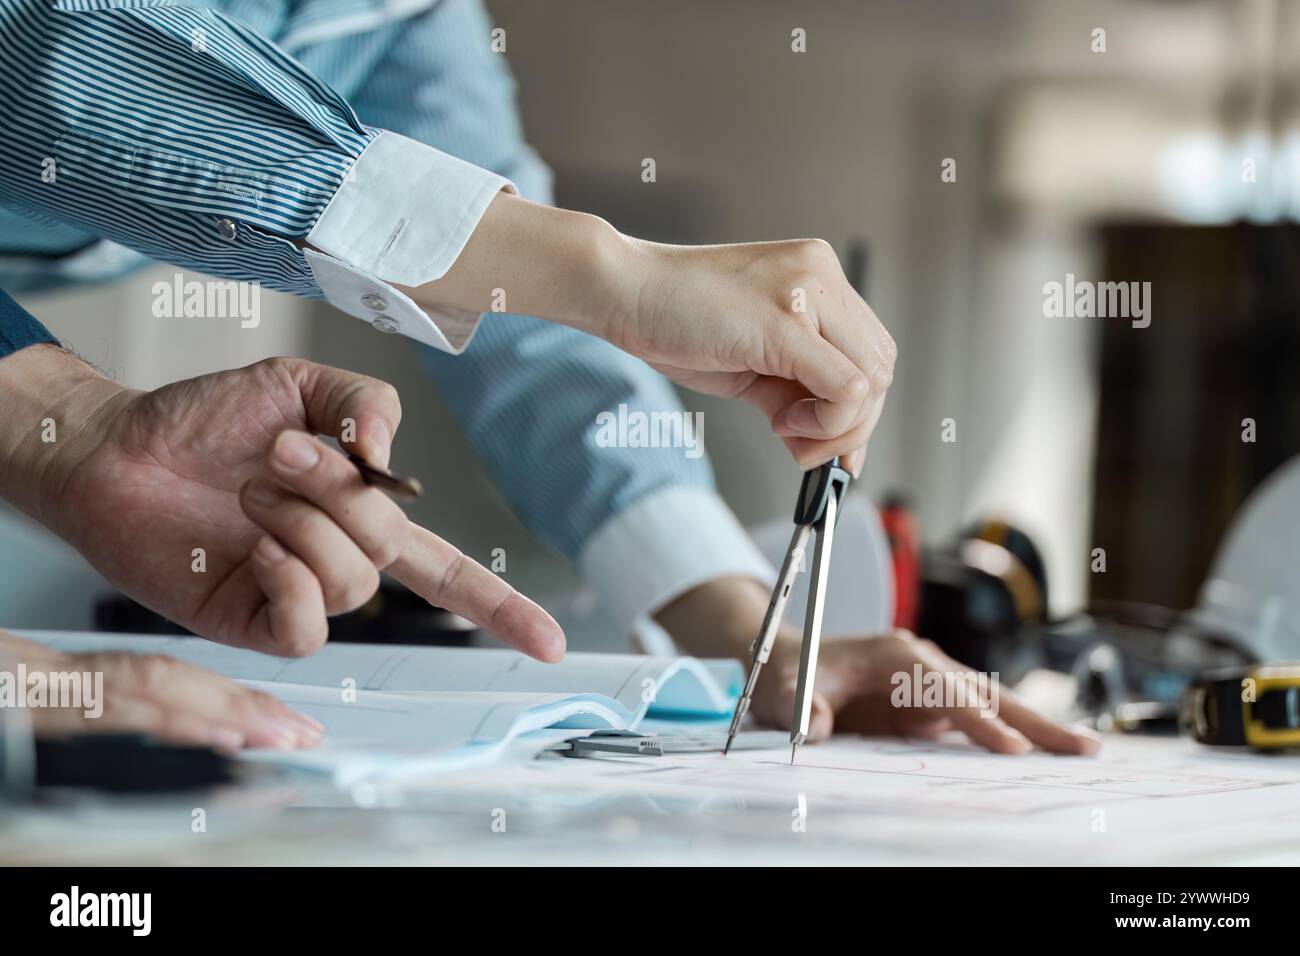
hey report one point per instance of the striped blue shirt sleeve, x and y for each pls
(179, 132)
(18, 329)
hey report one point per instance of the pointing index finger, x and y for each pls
(445, 577)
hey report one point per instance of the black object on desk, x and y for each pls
(394, 615)
(128, 763)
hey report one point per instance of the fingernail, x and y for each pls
(551, 642)
(808, 464)
(1019, 741)
(310, 721)
(304, 734)
(802, 418)
(859, 459)
(558, 647)
(551, 645)
(381, 442)
(269, 550)
(268, 733)
(263, 493)
(295, 451)
(1090, 739)
(223, 738)
(309, 732)
(284, 735)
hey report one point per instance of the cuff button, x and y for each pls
(227, 229)
(385, 324)
(376, 303)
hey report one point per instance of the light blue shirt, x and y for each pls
(208, 133)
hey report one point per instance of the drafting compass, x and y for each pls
(820, 497)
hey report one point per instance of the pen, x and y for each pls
(403, 489)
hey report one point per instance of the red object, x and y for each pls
(905, 551)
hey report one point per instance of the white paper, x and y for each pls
(395, 711)
(1140, 801)
(675, 685)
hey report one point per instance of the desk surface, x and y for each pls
(850, 801)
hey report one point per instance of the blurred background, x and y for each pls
(1123, 140)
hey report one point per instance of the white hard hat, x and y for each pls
(1253, 588)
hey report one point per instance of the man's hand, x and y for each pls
(774, 323)
(212, 502)
(857, 679)
(168, 699)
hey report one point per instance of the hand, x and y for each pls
(862, 680)
(858, 679)
(774, 323)
(165, 698)
(228, 463)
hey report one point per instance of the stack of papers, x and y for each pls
(395, 711)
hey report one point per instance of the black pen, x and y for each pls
(403, 489)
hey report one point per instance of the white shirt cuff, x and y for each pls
(661, 547)
(403, 215)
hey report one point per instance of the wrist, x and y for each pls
(614, 270)
(556, 264)
(53, 401)
(722, 618)
(596, 271)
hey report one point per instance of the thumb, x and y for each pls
(361, 412)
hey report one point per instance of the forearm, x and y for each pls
(102, 157)
(563, 266)
(722, 618)
(51, 401)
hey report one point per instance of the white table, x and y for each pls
(848, 801)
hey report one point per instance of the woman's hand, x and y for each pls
(774, 323)
(864, 685)
(167, 699)
(869, 685)
(212, 502)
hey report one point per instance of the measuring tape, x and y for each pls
(1257, 706)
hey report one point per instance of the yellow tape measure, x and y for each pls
(1256, 706)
